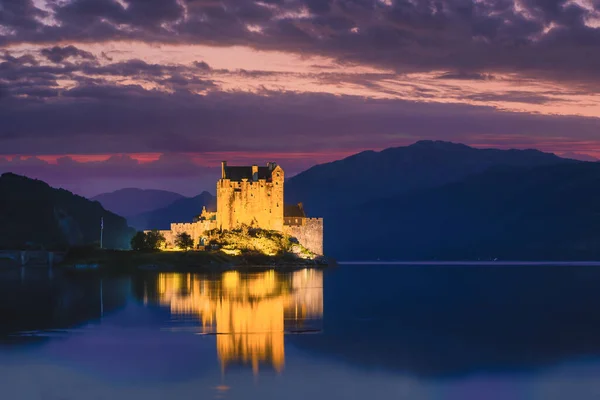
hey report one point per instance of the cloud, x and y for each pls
(107, 118)
(25, 76)
(201, 65)
(58, 54)
(88, 106)
(467, 76)
(551, 39)
(514, 96)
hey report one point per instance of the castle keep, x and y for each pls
(252, 196)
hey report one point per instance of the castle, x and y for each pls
(252, 196)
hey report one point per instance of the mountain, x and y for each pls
(128, 202)
(425, 164)
(182, 210)
(34, 214)
(511, 213)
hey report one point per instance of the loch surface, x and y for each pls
(348, 332)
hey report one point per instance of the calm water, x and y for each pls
(352, 332)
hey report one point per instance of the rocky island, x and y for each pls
(238, 248)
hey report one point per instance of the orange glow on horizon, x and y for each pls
(208, 159)
(213, 159)
(142, 158)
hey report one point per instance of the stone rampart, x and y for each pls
(195, 229)
(309, 234)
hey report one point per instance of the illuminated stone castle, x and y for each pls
(253, 196)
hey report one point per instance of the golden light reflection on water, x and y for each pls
(249, 312)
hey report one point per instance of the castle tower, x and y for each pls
(250, 195)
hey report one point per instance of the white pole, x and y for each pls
(101, 300)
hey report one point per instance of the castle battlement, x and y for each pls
(175, 225)
(253, 196)
(225, 182)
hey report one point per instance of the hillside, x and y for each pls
(131, 201)
(426, 164)
(34, 214)
(542, 213)
(182, 210)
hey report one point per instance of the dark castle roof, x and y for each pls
(294, 211)
(239, 173)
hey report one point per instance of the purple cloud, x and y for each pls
(537, 38)
(58, 54)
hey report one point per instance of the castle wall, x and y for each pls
(309, 234)
(194, 229)
(169, 238)
(258, 203)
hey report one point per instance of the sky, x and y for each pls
(97, 95)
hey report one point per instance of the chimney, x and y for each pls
(254, 173)
(223, 166)
(271, 166)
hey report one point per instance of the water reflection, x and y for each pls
(249, 312)
(410, 332)
(32, 300)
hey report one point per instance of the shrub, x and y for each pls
(147, 241)
(184, 241)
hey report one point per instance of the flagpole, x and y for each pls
(101, 230)
(101, 299)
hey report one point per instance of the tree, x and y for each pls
(184, 241)
(138, 241)
(154, 240)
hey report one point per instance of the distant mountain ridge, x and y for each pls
(131, 201)
(182, 210)
(33, 214)
(547, 212)
(376, 204)
(425, 164)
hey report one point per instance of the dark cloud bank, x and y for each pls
(554, 38)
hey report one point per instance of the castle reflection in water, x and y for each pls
(248, 312)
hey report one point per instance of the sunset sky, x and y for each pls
(96, 95)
